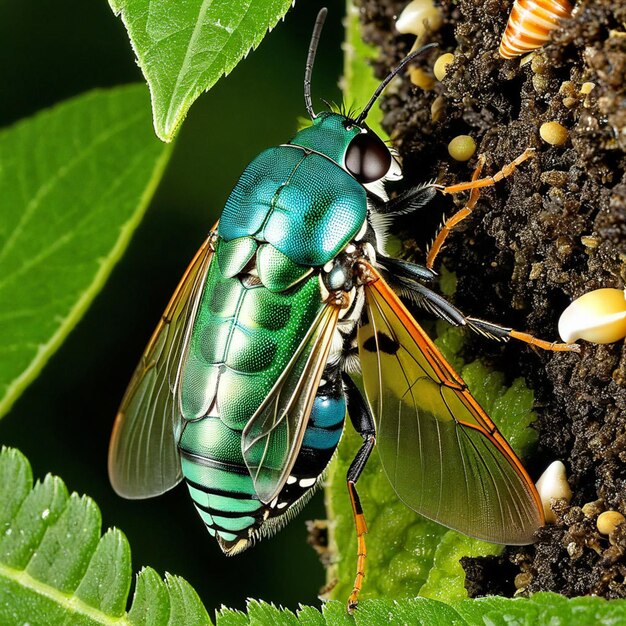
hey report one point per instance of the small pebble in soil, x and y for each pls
(592, 509)
(437, 109)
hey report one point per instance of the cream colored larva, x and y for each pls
(598, 316)
(530, 24)
(418, 18)
(553, 485)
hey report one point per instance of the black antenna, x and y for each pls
(310, 60)
(388, 79)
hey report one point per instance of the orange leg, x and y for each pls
(363, 422)
(507, 170)
(459, 216)
(544, 345)
(474, 186)
(361, 530)
(501, 333)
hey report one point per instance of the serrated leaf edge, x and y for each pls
(166, 126)
(71, 602)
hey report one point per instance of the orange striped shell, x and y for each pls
(530, 24)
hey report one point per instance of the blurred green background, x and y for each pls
(52, 51)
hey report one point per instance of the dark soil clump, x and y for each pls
(551, 232)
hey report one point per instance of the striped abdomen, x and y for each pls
(222, 489)
(530, 24)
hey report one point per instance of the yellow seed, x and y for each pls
(462, 148)
(608, 521)
(437, 108)
(441, 65)
(587, 88)
(598, 316)
(553, 133)
(540, 83)
(421, 78)
(417, 18)
(552, 484)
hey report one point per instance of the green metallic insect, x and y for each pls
(244, 386)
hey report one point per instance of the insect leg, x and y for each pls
(405, 269)
(363, 422)
(459, 216)
(477, 183)
(407, 202)
(474, 185)
(442, 308)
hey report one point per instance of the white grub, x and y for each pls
(418, 18)
(553, 485)
(598, 316)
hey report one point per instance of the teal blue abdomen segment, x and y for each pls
(325, 422)
(302, 203)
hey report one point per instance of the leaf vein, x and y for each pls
(62, 172)
(71, 602)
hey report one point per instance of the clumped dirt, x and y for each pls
(553, 231)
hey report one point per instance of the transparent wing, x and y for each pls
(444, 457)
(272, 438)
(143, 453)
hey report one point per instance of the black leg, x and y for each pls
(363, 422)
(428, 299)
(411, 271)
(405, 279)
(407, 202)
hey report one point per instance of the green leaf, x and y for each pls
(55, 568)
(540, 609)
(184, 46)
(74, 183)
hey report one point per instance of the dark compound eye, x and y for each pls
(367, 158)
